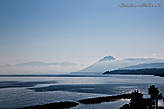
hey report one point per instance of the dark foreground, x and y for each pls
(67, 104)
(161, 75)
(136, 101)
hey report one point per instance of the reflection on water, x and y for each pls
(106, 105)
(43, 90)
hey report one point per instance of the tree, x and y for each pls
(137, 101)
(155, 95)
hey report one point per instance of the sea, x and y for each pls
(22, 91)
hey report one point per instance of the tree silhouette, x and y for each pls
(155, 95)
(137, 101)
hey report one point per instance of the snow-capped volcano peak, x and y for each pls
(107, 58)
(109, 63)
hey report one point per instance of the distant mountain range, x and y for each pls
(109, 63)
(145, 66)
(38, 67)
(40, 63)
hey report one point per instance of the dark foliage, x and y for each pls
(155, 95)
(138, 102)
(161, 75)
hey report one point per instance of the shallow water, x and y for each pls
(25, 91)
(106, 105)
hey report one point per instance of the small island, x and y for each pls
(136, 101)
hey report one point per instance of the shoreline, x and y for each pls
(69, 104)
(98, 100)
(56, 105)
(160, 75)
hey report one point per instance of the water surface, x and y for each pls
(26, 91)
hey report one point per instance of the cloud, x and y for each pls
(39, 63)
(6, 65)
(63, 64)
(39, 67)
(155, 54)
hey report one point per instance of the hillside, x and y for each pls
(109, 63)
(138, 71)
(145, 66)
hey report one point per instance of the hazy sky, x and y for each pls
(78, 31)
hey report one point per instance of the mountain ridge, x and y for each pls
(150, 71)
(146, 66)
(109, 63)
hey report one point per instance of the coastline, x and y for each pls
(67, 97)
(69, 104)
(160, 75)
(137, 101)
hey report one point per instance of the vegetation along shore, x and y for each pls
(136, 101)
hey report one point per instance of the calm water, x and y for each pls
(25, 91)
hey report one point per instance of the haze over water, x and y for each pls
(14, 91)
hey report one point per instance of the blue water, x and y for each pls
(26, 91)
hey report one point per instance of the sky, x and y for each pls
(78, 32)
